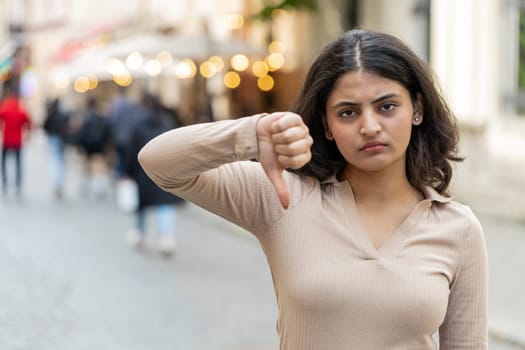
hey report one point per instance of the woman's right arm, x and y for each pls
(208, 164)
(190, 162)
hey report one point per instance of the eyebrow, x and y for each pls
(353, 104)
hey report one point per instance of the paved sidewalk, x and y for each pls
(70, 281)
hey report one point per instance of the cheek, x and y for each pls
(343, 132)
(346, 142)
(408, 134)
(401, 131)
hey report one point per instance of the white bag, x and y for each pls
(127, 195)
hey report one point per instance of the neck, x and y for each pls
(380, 188)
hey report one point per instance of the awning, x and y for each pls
(197, 47)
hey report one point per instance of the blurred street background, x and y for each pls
(74, 276)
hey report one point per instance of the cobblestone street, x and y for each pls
(71, 282)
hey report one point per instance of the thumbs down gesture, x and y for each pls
(284, 143)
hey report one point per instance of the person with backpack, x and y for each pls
(122, 116)
(56, 126)
(154, 120)
(94, 139)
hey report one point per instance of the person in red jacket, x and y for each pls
(14, 123)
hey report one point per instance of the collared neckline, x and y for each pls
(430, 193)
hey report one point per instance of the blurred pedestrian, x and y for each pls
(154, 120)
(95, 139)
(122, 116)
(366, 247)
(15, 125)
(56, 126)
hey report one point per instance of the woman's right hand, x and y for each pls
(284, 142)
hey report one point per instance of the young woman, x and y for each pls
(366, 248)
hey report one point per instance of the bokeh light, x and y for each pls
(153, 68)
(276, 46)
(93, 82)
(259, 69)
(239, 62)
(123, 79)
(217, 61)
(275, 61)
(234, 21)
(185, 69)
(115, 66)
(134, 60)
(232, 80)
(207, 69)
(165, 58)
(81, 84)
(265, 83)
(62, 80)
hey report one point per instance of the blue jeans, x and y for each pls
(56, 154)
(16, 152)
(165, 216)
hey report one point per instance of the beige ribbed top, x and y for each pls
(335, 290)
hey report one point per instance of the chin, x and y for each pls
(371, 166)
(373, 169)
(377, 163)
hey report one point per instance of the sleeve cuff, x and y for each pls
(246, 146)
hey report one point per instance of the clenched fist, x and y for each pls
(284, 142)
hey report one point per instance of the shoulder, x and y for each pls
(463, 223)
(462, 211)
(455, 211)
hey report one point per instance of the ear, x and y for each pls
(328, 135)
(327, 132)
(418, 110)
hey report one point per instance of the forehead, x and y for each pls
(362, 85)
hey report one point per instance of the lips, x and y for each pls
(373, 146)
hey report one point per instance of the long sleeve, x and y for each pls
(465, 325)
(209, 165)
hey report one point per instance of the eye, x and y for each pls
(388, 107)
(347, 113)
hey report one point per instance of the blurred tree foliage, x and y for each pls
(269, 6)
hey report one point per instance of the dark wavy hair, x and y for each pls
(433, 144)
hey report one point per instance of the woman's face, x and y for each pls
(370, 118)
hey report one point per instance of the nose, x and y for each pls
(370, 125)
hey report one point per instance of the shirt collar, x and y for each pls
(429, 192)
(433, 195)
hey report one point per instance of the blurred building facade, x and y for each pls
(472, 45)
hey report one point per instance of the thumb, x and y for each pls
(280, 186)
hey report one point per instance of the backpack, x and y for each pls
(57, 123)
(94, 131)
